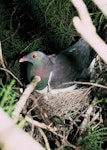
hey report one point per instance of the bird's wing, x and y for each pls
(81, 52)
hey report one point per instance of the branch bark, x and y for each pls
(102, 5)
(13, 138)
(87, 30)
(24, 97)
(2, 62)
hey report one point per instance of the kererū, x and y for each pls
(69, 65)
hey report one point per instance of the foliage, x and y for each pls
(93, 139)
(8, 97)
(101, 101)
(50, 20)
(55, 19)
(44, 25)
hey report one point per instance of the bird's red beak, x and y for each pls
(23, 59)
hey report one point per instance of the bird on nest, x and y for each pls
(71, 64)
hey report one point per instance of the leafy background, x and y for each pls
(45, 25)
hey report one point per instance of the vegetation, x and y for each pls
(44, 25)
(93, 139)
(8, 97)
(39, 25)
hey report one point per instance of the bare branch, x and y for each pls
(13, 138)
(86, 83)
(2, 62)
(85, 27)
(45, 139)
(41, 125)
(102, 5)
(47, 127)
(24, 97)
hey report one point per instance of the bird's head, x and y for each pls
(35, 58)
(38, 64)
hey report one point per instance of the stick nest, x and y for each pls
(66, 105)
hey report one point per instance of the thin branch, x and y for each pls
(45, 139)
(27, 47)
(6, 70)
(86, 83)
(24, 97)
(86, 118)
(14, 138)
(12, 35)
(2, 61)
(44, 126)
(41, 125)
(85, 27)
(102, 5)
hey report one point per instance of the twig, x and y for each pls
(36, 104)
(2, 62)
(44, 126)
(6, 70)
(14, 138)
(45, 139)
(86, 83)
(102, 5)
(97, 116)
(41, 125)
(86, 119)
(24, 97)
(27, 47)
(85, 27)
(12, 35)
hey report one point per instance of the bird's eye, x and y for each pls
(33, 56)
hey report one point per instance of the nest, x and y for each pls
(66, 105)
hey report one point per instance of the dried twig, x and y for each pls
(27, 47)
(45, 139)
(6, 70)
(102, 5)
(36, 104)
(85, 27)
(12, 35)
(86, 83)
(44, 126)
(24, 97)
(86, 119)
(41, 125)
(2, 62)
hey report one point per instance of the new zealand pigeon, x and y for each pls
(69, 65)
